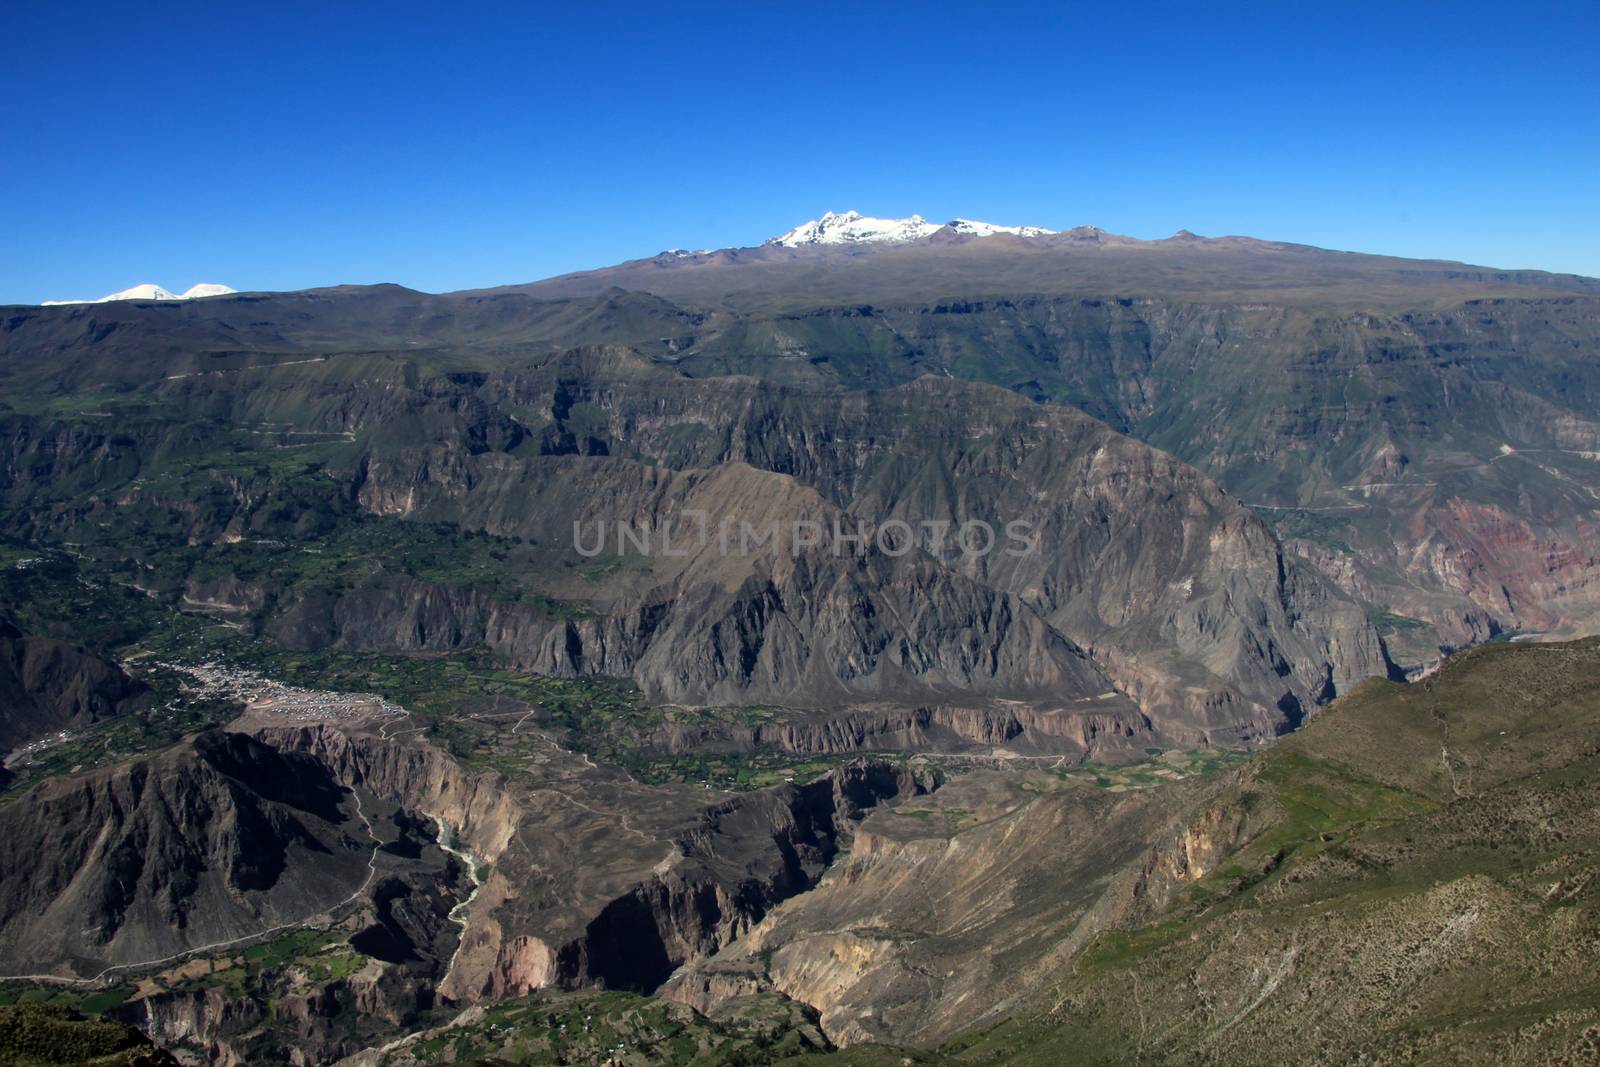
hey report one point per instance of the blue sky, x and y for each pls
(449, 146)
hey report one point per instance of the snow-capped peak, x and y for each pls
(202, 289)
(151, 291)
(147, 291)
(852, 227)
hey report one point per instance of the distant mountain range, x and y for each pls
(1023, 258)
(150, 291)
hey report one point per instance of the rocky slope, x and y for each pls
(569, 899)
(1408, 877)
(1084, 260)
(1249, 475)
(210, 842)
(47, 686)
(1437, 462)
(1000, 916)
(1177, 594)
(948, 909)
(1421, 431)
(226, 868)
(1142, 577)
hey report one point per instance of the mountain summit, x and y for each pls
(852, 227)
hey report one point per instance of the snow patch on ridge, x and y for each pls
(852, 227)
(989, 229)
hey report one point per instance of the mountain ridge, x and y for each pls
(940, 262)
(840, 237)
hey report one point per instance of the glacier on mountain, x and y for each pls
(852, 227)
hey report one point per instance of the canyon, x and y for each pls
(899, 797)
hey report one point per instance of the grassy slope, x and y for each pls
(1380, 915)
(1383, 906)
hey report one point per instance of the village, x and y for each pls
(265, 696)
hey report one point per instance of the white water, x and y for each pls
(458, 914)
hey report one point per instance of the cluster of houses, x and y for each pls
(288, 701)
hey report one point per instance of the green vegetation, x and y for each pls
(74, 998)
(55, 595)
(316, 956)
(1330, 528)
(765, 766)
(296, 531)
(1387, 622)
(487, 715)
(1167, 766)
(620, 1028)
(43, 1035)
(164, 718)
(470, 703)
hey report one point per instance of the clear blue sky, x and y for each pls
(446, 146)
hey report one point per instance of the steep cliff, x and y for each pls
(595, 880)
(948, 909)
(213, 841)
(1180, 597)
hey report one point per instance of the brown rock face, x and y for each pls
(48, 685)
(1106, 726)
(1145, 577)
(205, 843)
(596, 880)
(947, 908)
(419, 777)
(1507, 567)
(719, 875)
